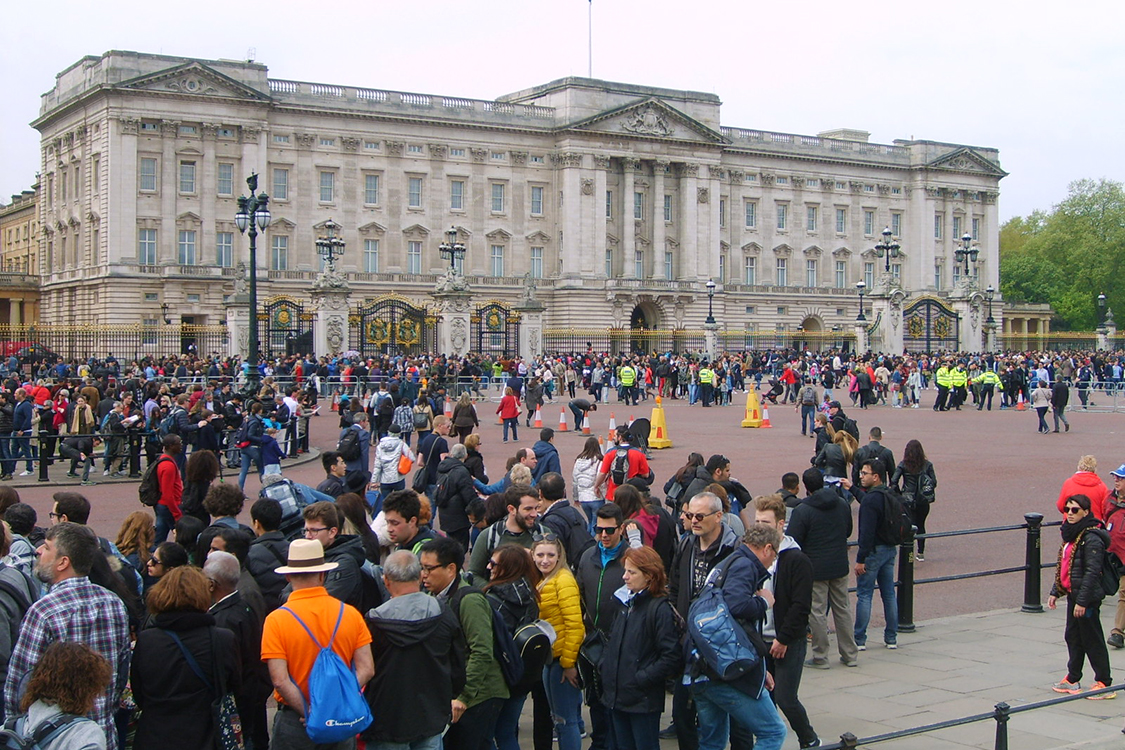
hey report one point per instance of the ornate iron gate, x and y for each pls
(930, 326)
(392, 324)
(495, 330)
(288, 328)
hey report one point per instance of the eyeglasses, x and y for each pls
(54, 515)
(491, 563)
(314, 532)
(600, 530)
(1073, 509)
(431, 568)
(699, 516)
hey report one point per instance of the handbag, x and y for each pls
(405, 464)
(224, 712)
(419, 483)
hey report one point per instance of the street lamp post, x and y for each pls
(966, 252)
(861, 286)
(1101, 314)
(710, 302)
(253, 214)
(452, 249)
(989, 293)
(888, 248)
(330, 246)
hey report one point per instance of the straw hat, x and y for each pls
(306, 556)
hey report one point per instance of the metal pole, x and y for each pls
(1000, 713)
(292, 436)
(135, 439)
(1032, 575)
(906, 583)
(848, 741)
(252, 374)
(44, 462)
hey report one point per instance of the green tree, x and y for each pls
(1066, 257)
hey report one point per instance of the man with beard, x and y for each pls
(520, 526)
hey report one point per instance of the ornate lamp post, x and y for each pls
(164, 312)
(330, 246)
(888, 248)
(989, 293)
(710, 302)
(1101, 314)
(862, 287)
(452, 249)
(253, 214)
(966, 252)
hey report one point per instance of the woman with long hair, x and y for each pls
(914, 477)
(422, 406)
(135, 540)
(1077, 577)
(512, 591)
(836, 457)
(66, 680)
(354, 511)
(509, 411)
(179, 664)
(823, 432)
(674, 488)
(561, 605)
(585, 476)
(642, 653)
(201, 469)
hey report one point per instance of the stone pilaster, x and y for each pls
(531, 327)
(453, 321)
(330, 324)
(861, 344)
(238, 325)
(628, 221)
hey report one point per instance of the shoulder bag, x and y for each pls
(224, 712)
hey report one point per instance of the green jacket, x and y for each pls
(483, 678)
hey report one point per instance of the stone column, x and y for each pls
(688, 220)
(453, 321)
(658, 246)
(238, 325)
(330, 324)
(711, 340)
(531, 327)
(968, 309)
(14, 317)
(628, 222)
(861, 345)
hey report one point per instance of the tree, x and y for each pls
(1066, 257)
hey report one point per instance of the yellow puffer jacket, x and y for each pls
(561, 605)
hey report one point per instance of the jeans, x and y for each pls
(636, 731)
(566, 706)
(22, 448)
(165, 522)
(7, 466)
(1056, 413)
(514, 423)
(475, 729)
(1042, 412)
(787, 677)
(718, 703)
(249, 453)
(384, 490)
(289, 733)
(429, 743)
(880, 566)
(590, 507)
(578, 415)
(808, 418)
(507, 723)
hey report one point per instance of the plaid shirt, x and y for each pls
(74, 610)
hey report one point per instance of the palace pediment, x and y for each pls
(193, 79)
(965, 159)
(649, 118)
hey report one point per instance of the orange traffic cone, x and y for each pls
(1021, 405)
(586, 425)
(612, 432)
(335, 402)
(562, 420)
(765, 416)
(448, 407)
(538, 419)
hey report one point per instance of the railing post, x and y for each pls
(1000, 713)
(906, 583)
(292, 436)
(135, 440)
(1032, 576)
(44, 462)
(848, 741)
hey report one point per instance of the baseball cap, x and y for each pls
(1119, 471)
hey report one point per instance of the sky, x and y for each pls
(1039, 81)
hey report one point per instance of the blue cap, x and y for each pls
(1119, 471)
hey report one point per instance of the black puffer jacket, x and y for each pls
(459, 493)
(822, 524)
(643, 651)
(1085, 568)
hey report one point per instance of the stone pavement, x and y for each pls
(959, 666)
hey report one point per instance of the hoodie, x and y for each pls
(416, 638)
(1089, 484)
(387, 453)
(548, 460)
(821, 524)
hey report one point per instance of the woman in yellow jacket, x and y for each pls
(560, 605)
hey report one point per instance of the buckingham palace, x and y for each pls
(604, 205)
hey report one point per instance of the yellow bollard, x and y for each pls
(753, 410)
(658, 438)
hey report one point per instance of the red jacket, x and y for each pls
(1089, 484)
(171, 485)
(509, 408)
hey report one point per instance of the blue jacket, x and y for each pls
(21, 417)
(744, 579)
(548, 457)
(364, 461)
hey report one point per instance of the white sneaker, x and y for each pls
(25, 473)
(105, 473)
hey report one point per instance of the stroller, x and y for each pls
(776, 389)
(640, 429)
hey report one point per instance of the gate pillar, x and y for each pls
(968, 309)
(238, 326)
(453, 322)
(531, 327)
(330, 323)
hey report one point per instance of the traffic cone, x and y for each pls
(612, 433)
(448, 407)
(766, 417)
(335, 402)
(562, 420)
(586, 425)
(538, 419)
(659, 437)
(753, 416)
(1021, 405)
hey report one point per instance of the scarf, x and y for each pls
(1070, 531)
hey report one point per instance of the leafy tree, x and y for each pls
(1068, 256)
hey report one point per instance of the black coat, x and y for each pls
(235, 615)
(175, 705)
(643, 651)
(458, 494)
(683, 563)
(907, 483)
(870, 451)
(1086, 569)
(792, 596)
(822, 524)
(268, 553)
(474, 462)
(831, 459)
(596, 585)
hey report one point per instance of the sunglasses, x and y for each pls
(1073, 509)
(546, 536)
(699, 516)
(599, 530)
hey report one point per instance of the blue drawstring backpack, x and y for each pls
(336, 709)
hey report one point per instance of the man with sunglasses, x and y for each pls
(599, 574)
(710, 542)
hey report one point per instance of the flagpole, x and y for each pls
(590, 40)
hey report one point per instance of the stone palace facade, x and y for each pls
(620, 201)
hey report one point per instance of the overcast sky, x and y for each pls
(1039, 81)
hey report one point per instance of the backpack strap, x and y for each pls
(277, 554)
(48, 729)
(190, 660)
(306, 627)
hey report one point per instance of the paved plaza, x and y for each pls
(972, 649)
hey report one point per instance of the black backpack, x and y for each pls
(619, 470)
(149, 490)
(522, 654)
(851, 427)
(895, 526)
(348, 447)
